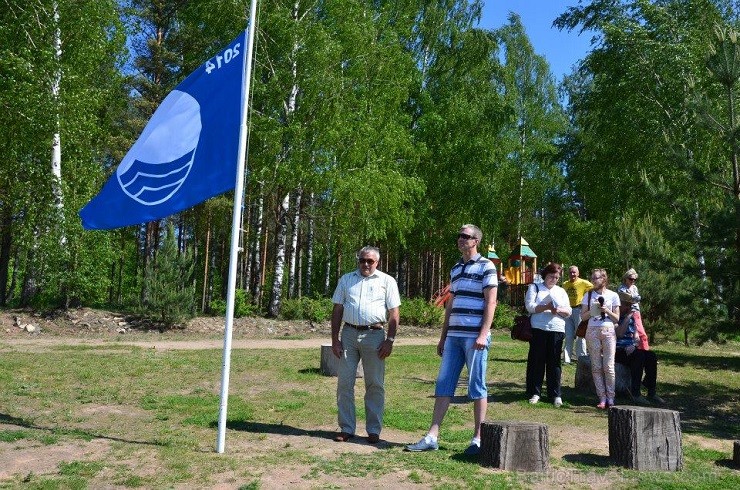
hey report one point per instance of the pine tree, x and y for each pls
(169, 283)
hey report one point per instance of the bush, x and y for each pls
(417, 311)
(305, 308)
(242, 305)
(504, 317)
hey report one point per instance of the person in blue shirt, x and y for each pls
(639, 360)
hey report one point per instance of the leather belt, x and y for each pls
(374, 326)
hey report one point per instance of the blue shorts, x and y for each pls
(459, 352)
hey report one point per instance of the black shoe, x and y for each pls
(343, 437)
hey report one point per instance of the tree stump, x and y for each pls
(330, 363)
(521, 446)
(736, 454)
(585, 381)
(644, 438)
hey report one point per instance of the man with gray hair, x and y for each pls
(365, 301)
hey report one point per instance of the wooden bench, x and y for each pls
(585, 381)
(521, 446)
(330, 363)
(644, 438)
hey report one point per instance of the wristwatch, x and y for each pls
(392, 339)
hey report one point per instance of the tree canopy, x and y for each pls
(383, 123)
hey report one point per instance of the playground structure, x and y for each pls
(522, 264)
(513, 280)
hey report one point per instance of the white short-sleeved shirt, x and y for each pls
(538, 294)
(611, 299)
(366, 300)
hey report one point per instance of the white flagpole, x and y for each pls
(235, 232)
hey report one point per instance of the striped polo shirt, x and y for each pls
(468, 280)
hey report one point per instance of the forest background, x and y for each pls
(388, 123)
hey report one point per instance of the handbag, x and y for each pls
(522, 329)
(583, 326)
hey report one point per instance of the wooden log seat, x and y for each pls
(645, 438)
(585, 381)
(517, 446)
(330, 363)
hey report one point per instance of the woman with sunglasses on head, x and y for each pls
(549, 306)
(602, 313)
(628, 293)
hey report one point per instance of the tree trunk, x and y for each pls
(56, 146)
(522, 446)
(257, 269)
(29, 288)
(736, 453)
(294, 252)
(645, 439)
(6, 222)
(13, 276)
(402, 271)
(327, 263)
(248, 252)
(151, 234)
(280, 239)
(203, 303)
(309, 245)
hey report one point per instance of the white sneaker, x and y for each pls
(535, 399)
(426, 444)
(558, 402)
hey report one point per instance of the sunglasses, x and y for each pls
(633, 279)
(465, 236)
(366, 261)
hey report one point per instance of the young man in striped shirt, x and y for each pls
(465, 337)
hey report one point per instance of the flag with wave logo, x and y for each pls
(187, 152)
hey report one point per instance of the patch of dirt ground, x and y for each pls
(30, 331)
(87, 325)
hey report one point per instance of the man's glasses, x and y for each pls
(366, 261)
(465, 236)
(632, 279)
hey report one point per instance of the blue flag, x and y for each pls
(187, 152)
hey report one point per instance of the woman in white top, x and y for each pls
(602, 314)
(549, 306)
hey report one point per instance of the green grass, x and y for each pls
(157, 414)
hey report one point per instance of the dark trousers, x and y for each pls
(639, 361)
(544, 358)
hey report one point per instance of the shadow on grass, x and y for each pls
(726, 463)
(310, 371)
(510, 361)
(712, 363)
(289, 430)
(706, 408)
(464, 458)
(592, 460)
(80, 433)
